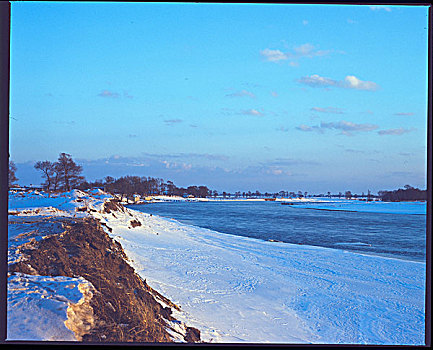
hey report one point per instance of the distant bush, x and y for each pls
(409, 193)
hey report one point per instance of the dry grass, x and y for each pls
(124, 305)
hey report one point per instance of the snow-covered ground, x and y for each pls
(38, 306)
(41, 307)
(239, 289)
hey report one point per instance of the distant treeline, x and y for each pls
(130, 185)
(65, 174)
(409, 193)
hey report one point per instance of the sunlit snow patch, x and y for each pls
(39, 306)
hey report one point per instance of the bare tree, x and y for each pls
(49, 173)
(11, 176)
(69, 172)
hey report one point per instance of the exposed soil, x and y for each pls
(113, 205)
(124, 306)
(135, 223)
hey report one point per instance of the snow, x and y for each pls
(38, 306)
(238, 289)
(43, 307)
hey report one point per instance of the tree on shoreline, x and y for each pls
(12, 179)
(61, 175)
(49, 172)
(69, 172)
(409, 193)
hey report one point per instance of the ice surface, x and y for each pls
(419, 208)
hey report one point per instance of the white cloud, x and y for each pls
(308, 50)
(252, 111)
(305, 50)
(304, 22)
(347, 128)
(353, 82)
(318, 81)
(378, 8)
(350, 82)
(273, 55)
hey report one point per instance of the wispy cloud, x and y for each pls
(304, 127)
(307, 50)
(304, 22)
(404, 114)
(333, 110)
(173, 121)
(253, 112)
(242, 93)
(109, 94)
(349, 150)
(347, 128)
(399, 131)
(378, 8)
(187, 156)
(349, 82)
(283, 162)
(318, 81)
(302, 51)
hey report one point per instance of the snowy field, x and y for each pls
(239, 289)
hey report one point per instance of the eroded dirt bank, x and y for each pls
(123, 306)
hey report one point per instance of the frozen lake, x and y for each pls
(387, 229)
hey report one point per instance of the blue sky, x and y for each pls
(237, 97)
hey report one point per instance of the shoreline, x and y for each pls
(107, 310)
(233, 288)
(197, 236)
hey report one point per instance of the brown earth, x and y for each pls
(124, 306)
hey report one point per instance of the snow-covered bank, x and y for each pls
(38, 307)
(42, 307)
(50, 249)
(239, 289)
